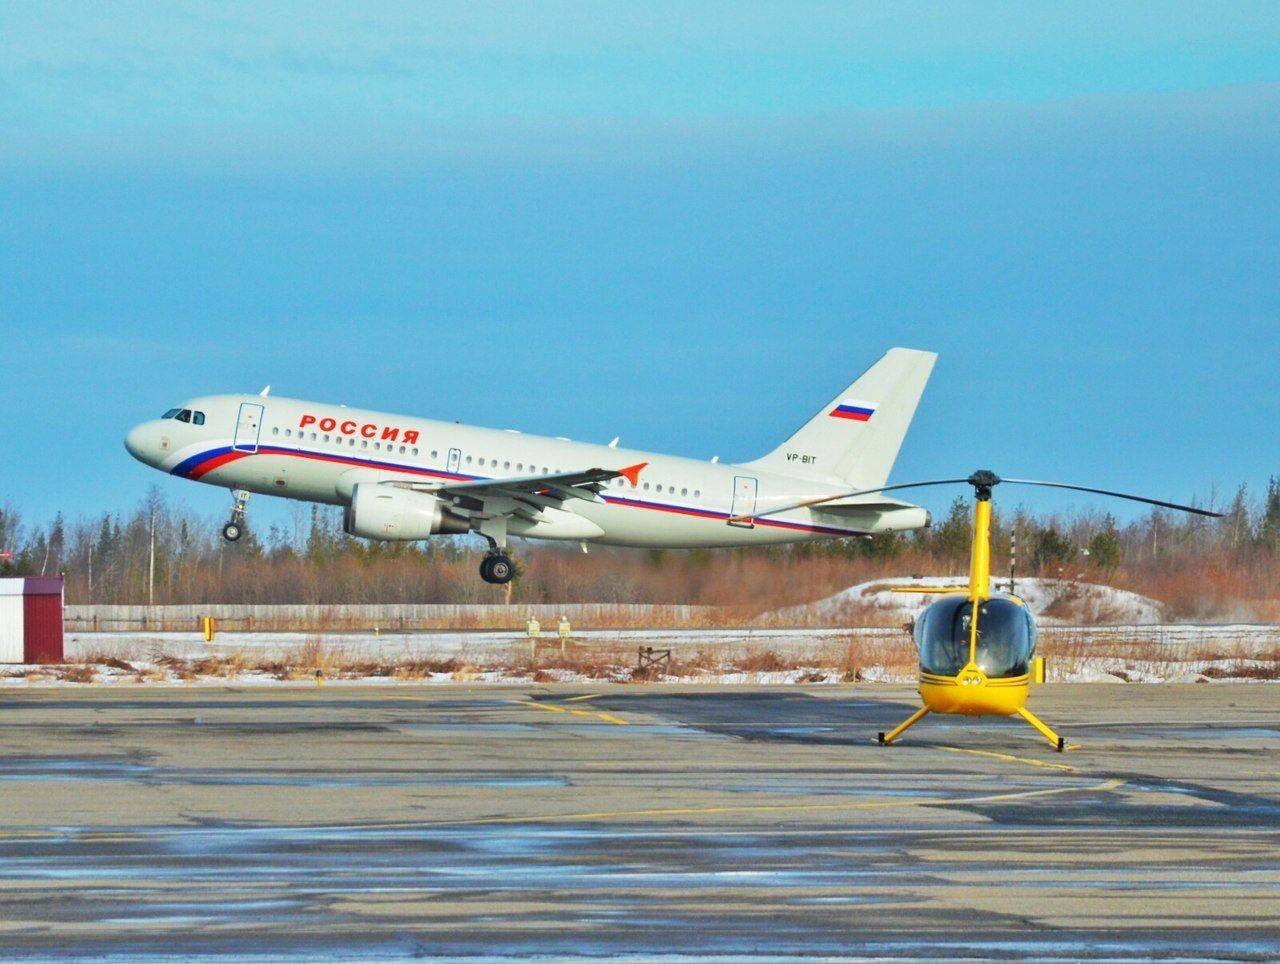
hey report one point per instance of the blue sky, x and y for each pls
(688, 225)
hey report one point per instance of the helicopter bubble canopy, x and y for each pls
(1006, 636)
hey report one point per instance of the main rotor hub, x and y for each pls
(983, 481)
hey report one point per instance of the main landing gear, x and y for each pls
(497, 568)
(234, 529)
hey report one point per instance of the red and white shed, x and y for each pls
(31, 619)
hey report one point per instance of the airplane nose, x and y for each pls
(136, 442)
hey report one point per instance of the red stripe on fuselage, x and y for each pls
(216, 462)
(712, 514)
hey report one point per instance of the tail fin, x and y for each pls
(855, 438)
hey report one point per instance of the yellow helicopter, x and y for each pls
(977, 647)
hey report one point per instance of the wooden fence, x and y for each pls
(391, 617)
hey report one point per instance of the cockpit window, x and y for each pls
(1006, 637)
(172, 413)
(184, 415)
(942, 635)
(197, 418)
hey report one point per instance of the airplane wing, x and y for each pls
(536, 491)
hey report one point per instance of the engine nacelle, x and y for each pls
(399, 515)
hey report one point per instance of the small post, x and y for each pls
(208, 628)
(1013, 559)
(563, 628)
(533, 630)
(319, 678)
(1037, 670)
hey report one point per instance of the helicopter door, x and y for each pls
(745, 489)
(455, 461)
(248, 426)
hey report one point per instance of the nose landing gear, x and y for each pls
(234, 529)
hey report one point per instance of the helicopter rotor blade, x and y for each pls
(1119, 495)
(851, 495)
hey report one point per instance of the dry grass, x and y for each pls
(77, 674)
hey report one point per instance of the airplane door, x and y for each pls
(455, 461)
(745, 489)
(248, 427)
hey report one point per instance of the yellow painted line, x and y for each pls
(590, 714)
(1008, 756)
(585, 696)
(1104, 787)
(549, 707)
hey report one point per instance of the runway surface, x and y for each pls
(653, 821)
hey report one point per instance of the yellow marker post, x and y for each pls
(1037, 670)
(533, 631)
(207, 628)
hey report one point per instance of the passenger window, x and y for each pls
(364, 444)
(506, 465)
(468, 460)
(684, 491)
(402, 450)
(697, 494)
(646, 486)
(313, 436)
(435, 453)
(275, 429)
(414, 452)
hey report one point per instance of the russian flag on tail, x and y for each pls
(854, 410)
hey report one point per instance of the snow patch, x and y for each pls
(1055, 602)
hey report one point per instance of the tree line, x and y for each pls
(161, 552)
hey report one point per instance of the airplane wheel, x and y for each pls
(232, 531)
(497, 569)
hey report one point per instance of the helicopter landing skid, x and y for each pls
(884, 739)
(1058, 742)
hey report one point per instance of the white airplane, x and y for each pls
(404, 478)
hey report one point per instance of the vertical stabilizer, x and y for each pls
(854, 439)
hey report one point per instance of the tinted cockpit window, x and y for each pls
(184, 415)
(1006, 638)
(942, 635)
(172, 413)
(197, 418)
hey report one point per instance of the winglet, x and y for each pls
(632, 472)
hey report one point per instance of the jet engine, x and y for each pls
(402, 515)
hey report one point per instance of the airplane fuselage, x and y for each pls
(317, 452)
